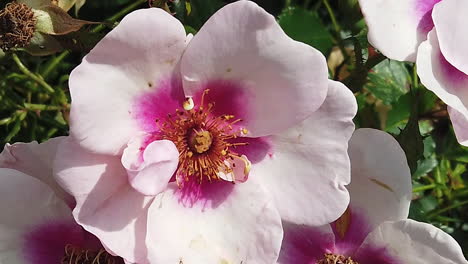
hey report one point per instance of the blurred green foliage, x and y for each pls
(35, 99)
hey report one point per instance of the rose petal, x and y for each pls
(25, 202)
(413, 242)
(396, 28)
(380, 177)
(380, 188)
(305, 244)
(274, 77)
(450, 22)
(439, 76)
(132, 59)
(309, 166)
(149, 170)
(460, 125)
(107, 206)
(237, 226)
(36, 160)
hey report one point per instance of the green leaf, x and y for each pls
(305, 26)
(388, 81)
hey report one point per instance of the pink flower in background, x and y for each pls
(36, 222)
(375, 228)
(36, 160)
(432, 33)
(163, 124)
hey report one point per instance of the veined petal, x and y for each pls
(268, 75)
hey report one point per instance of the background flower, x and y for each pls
(374, 229)
(36, 221)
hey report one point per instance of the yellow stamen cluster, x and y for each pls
(202, 140)
(336, 259)
(17, 25)
(75, 255)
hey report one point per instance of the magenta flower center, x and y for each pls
(77, 255)
(203, 141)
(330, 258)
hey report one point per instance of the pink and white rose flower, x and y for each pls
(193, 149)
(374, 229)
(36, 223)
(432, 33)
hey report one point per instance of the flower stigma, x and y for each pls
(76, 255)
(204, 142)
(17, 25)
(330, 258)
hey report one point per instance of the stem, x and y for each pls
(424, 188)
(53, 63)
(41, 107)
(119, 14)
(31, 75)
(332, 17)
(448, 208)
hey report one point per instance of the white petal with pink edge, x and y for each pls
(450, 22)
(380, 177)
(36, 160)
(460, 125)
(439, 76)
(281, 79)
(396, 28)
(413, 242)
(150, 167)
(231, 223)
(106, 205)
(307, 172)
(135, 57)
(25, 202)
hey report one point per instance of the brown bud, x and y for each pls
(17, 26)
